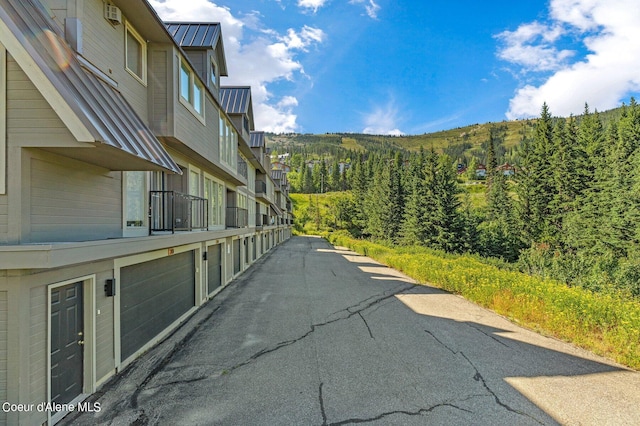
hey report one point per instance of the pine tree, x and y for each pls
(534, 180)
(447, 223)
(334, 176)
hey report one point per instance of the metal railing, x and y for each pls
(175, 211)
(261, 187)
(242, 167)
(262, 220)
(237, 217)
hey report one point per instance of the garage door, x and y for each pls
(152, 296)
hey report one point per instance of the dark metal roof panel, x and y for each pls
(276, 174)
(195, 34)
(235, 100)
(257, 140)
(102, 109)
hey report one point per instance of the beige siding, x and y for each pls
(4, 219)
(198, 60)
(103, 45)
(105, 362)
(202, 139)
(4, 310)
(161, 121)
(71, 201)
(38, 345)
(30, 119)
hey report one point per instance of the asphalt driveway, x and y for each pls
(317, 335)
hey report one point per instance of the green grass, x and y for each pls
(607, 324)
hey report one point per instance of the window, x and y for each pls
(197, 98)
(135, 54)
(185, 82)
(213, 191)
(213, 76)
(135, 212)
(228, 143)
(191, 89)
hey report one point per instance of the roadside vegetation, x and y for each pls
(555, 246)
(605, 323)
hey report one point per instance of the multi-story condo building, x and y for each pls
(132, 189)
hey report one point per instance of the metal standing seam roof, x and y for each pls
(101, 108)
(193, 34)
(235, 100)
(256, 140)
(276, 174)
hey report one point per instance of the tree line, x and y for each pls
(571, 212)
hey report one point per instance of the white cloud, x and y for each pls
(259, 60)
(370, 6)
(382, 120)
(609, 31)
(311, 4)
(531, 46)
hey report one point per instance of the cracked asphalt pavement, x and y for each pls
(317, 335)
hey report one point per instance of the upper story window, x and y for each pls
(191, 89)
(135, 54)
(213, 75)
(228, 143)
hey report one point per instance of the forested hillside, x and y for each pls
(571, 212)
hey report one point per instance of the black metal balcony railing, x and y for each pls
(174, 211)
(261, 187)
(262, 220)
(242, 167)
(237, 217)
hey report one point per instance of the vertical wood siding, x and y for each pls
(159, 85)
(73, 202)
(104, 47)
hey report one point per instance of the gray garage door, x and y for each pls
(214, 267)
(152, 296)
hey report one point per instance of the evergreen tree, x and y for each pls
(334, 177)
(534, 180)
(447, 221)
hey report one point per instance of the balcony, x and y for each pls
(237, 217)
(261, 187)
(242, 167)
(174, 211)
(262, 220)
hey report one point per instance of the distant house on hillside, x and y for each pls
(481, 171)
(279, 165)
(507, 169)
(344, 166)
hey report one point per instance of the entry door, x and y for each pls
(67, 342)
(214, 268)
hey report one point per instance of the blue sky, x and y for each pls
(407, 67)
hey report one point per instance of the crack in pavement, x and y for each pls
(314, 327)
(420, 412)
(478, 378)
(366, 324)
(488, 335)
(321, 398)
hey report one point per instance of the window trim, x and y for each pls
(213, 74)
(128, 29)
(135, 231)
(221, 206)
(194, 82)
